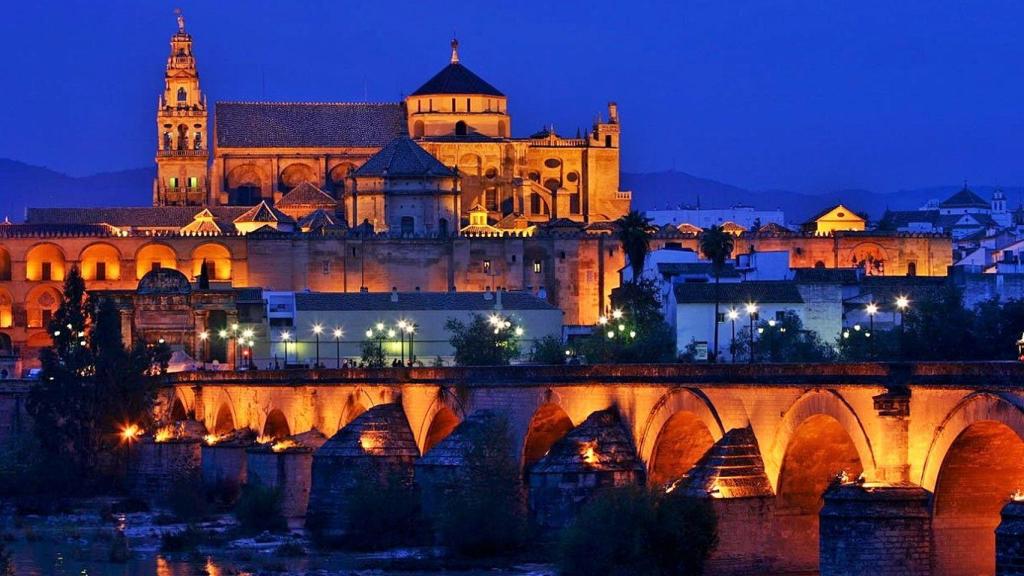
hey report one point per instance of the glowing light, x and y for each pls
(337, 332)
(751, 308)
(391, 333)
(401, 324)
(902, 302)
(247, 334)
(370, 442)
(223, 333)
(286, 336)
(611, 334)
(846, 333)
(131, 432)
(616, 314)
(212, 439)
(632, 333)
(380, 325)
(494, 320)
(165, 433)
(519, 330)
(56, 332)
(369, 333)
(234, 327)
(317, 329)
(871, 309)
(282, 445)
(588, 453)
(602, 320)
(204, 335)
(1017, 496)
(771, 323)
(732, 314)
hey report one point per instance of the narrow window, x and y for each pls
(460, 128)
(911, 268)
(453, 104)
(537, 267)
(101, 270)
(492, 199)
(47, 271)
(154, 266)
(182, 95)
(172, 182)
(487, 266)
(469, 105)
(326, 267)
(419, 105)
(607, 141)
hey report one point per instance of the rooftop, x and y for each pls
(357, 301)
(308, 125)
(403, 157)
(776, 292)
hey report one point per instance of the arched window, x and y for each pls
(5, 264)
(182, 137)
(608, 141)
(182, 95)
(417, 129)
(460, 128)
(502, 129)
(911, 268)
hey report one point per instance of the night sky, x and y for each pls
(808, 96)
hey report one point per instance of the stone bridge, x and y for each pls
(954, 429)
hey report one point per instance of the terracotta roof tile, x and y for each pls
(308, 125)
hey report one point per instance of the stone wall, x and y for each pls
(288, 471)
(155, 468)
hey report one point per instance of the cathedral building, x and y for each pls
(431, 194)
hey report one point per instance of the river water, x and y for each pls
(80, 544)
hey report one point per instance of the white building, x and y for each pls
(745, 216)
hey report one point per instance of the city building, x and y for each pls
(748, 217)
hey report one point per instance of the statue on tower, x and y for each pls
(181, 20)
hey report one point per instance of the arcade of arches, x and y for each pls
(964, 447)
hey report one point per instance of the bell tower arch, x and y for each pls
(181, 121)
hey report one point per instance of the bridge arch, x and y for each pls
(354, 406)
(974, 463)
(682, 426)
(443, 415)
(276, 426)
(810, 404)
(548, 424)
(224, 421)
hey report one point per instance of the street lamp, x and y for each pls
(204, 337)
(285, 337)
(410, 329)
(337, 342)
(902, 303)
(751, 312)
(871, 309)
(401, 340)
(732, 314)
(317, 329)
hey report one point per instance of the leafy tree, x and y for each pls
(639, 335)
(784, 340)
(91, 386)
(484, 341)
(373, 352)
(634, 232)
(548, 350)
(716, 244)
(487, 514)
(940, 328)
(638, 532)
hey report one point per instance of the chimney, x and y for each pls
(394, 294)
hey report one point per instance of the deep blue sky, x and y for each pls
(809, 96)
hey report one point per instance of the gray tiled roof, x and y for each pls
(306, 194)
(403, 157)
(347, 301)
(826, 275)
(456, 79)
(137, 217)
(308, 125)
(21, 230)
(699, 268)
(264, 212)
(965, 198)
(776, 292)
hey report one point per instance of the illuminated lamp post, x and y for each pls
(871, 309)
(317, 329)
(337, 343)
(410, 329)
(401, 340)
(751, 312)
(733, 314)
(204, 337)
(902, 303)
(285, 337)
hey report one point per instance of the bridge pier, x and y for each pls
(1010, 540)
(876, 530)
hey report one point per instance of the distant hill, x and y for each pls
(659, 190)
(23, 185)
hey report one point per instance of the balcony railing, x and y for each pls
(168, 153)
(559, 143)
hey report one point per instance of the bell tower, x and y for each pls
(181, 154)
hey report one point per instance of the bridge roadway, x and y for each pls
(954, 429)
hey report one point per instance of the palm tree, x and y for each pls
(716, 244)
(634, 232)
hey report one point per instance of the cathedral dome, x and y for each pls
(456, 79)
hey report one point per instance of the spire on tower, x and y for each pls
(455, 50)
(181, 20)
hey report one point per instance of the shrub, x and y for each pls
(382, 511)
(634, 531)
(487, 514)
(548, 350)
(259, 510)
(186, 501)
(188, 539)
